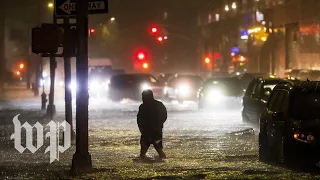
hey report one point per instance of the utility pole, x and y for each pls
(2, 45)
(51, 110)
(81, 162)
(67, 74)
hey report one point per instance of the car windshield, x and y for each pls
(124, 79)
(270, 84)
(192, 80)
(305, 106)
(228, 85)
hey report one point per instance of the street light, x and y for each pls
(50, 5)
(112, 19)
(234, 5)
(226, 8)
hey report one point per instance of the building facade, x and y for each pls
(266, 36)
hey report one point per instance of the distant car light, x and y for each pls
(61, 83)
(165, 90)
(145, 86)
(94, 85)
(215, 95)
(184, 90)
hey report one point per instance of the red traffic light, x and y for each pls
(160, 39)
(154, 30)
(92, 30)
(141, 56)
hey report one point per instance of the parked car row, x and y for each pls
(303, 74)
(289, 124)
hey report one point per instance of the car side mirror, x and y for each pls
(267, 93)
(278, 116)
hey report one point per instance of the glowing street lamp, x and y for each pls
(226, 8)
(234, 5)
(50, 5)
(112, 19)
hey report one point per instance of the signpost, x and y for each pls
(68, 7)
(65, 9)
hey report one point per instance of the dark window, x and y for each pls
(305, 106)
(250, 88)
(272, 101)
(280, 104)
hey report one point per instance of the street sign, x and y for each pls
(68, 7)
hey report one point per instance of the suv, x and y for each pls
(256, 97)
(132, 85)
(290, 124)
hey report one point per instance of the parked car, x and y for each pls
(183, 87)
(132, 85)
(290, 126)
(221, 92)
(246, 78)
(164, 77)
(256, 97)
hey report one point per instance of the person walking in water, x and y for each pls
(151, 117)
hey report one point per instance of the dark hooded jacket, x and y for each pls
(152, 114)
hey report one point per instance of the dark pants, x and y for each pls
(155, 139)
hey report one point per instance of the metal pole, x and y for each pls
(81, 162)
(2, 44)
(51, 110)
(43, 95)
(67, 77)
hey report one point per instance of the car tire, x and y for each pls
(264, 149)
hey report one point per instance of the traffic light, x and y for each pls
(154, 29)
(141, 56)
(92, 30)
(46, 39)
(21, 66)
(207, 60)
(145, 65)
(160, 39)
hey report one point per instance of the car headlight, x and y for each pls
(303, 137)
(145, 86)
(215, 95)
(184, 90)
(165, 90)
(73, 86)
(94, 85)
(61, 83)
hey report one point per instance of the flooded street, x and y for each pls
(199, 145)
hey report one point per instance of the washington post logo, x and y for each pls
(54, 129)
